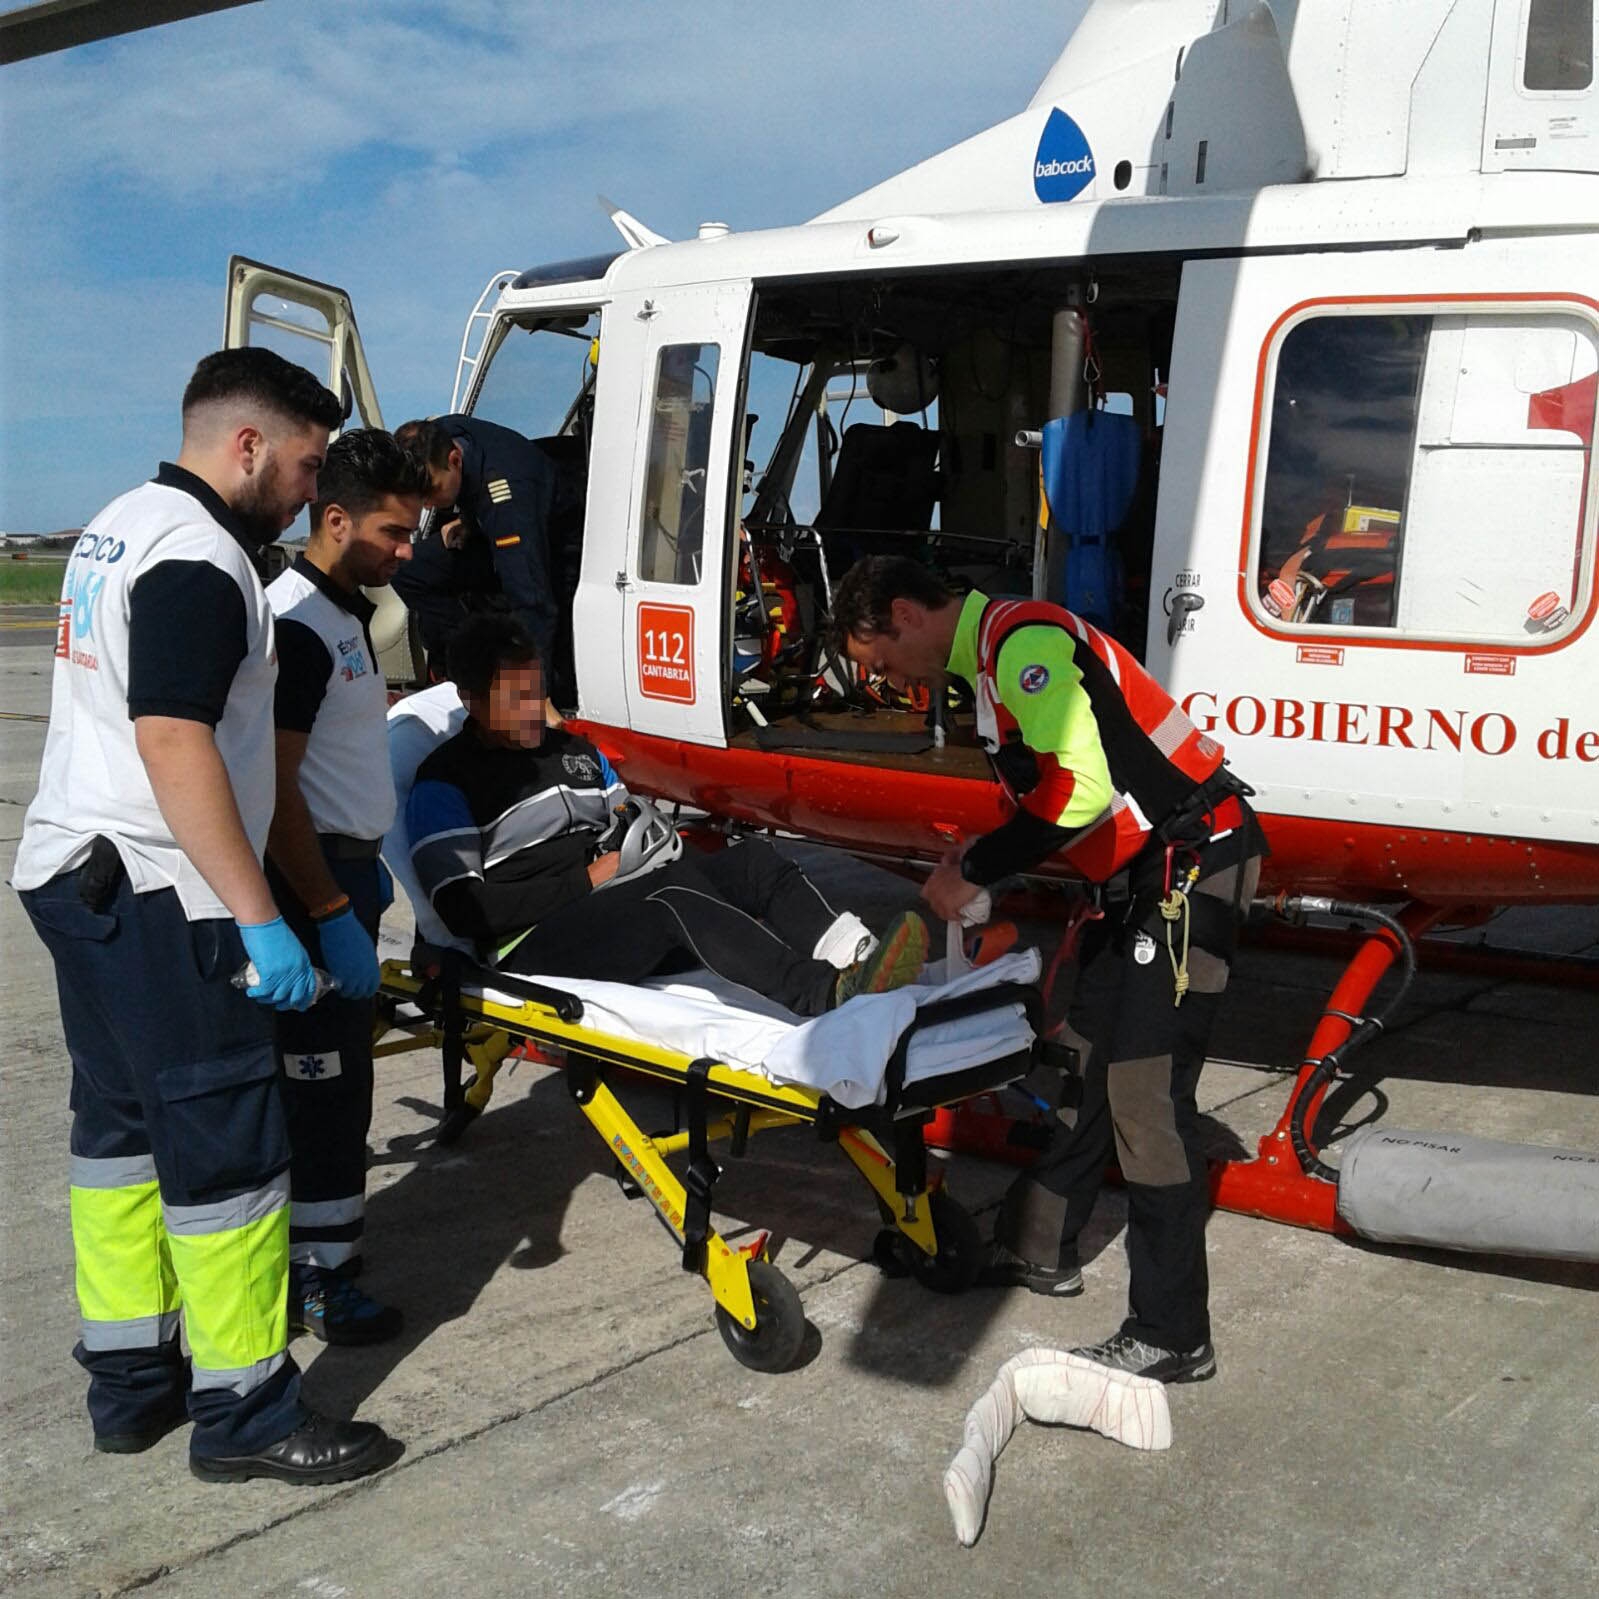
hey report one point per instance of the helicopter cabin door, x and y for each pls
(313, 325)
(674, 584)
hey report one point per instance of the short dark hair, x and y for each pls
(364, 467)
(483, 644)
(864, 599)
(428, 441)
(261, 377)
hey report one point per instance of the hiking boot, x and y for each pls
(1004, 1268)
(898, 959)
(319, 1450)
(1123, 1352)
(332, 1308)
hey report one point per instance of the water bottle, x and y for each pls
(247, 977)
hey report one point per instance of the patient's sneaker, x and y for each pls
(1123, 1352)
(330, 1307)
(898, 959)
(1004, 1268)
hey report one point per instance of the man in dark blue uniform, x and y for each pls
(495, 491)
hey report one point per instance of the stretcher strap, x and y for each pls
(700, 1180)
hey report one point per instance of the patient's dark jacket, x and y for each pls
(501, 837)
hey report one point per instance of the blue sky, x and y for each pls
(407, 152)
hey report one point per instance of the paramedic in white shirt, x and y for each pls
(335, 803)
(140, 866)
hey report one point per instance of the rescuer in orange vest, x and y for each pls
(1104, 769)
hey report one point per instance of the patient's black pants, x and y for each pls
(746, 912)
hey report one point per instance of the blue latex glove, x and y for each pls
(348, 954)
(285, 978)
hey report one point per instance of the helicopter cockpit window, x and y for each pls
(1426, 474)
(540, 377)
(673, 533)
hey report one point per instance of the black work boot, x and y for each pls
(319, 1450)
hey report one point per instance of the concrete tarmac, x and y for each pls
(1384, 1422)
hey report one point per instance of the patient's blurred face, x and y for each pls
(514, 709)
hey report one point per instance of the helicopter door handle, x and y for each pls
(1182, 603)
(622, 584)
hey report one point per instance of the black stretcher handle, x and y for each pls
(567, 1006)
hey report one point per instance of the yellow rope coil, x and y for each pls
(1175, 909)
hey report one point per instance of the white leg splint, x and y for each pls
(1048, 1385)
(1073, 1391)
(845, 940)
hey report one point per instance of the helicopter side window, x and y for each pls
(673, 532)
(1425, 474)
(1558, 57)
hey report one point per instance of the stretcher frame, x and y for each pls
(758, 1312)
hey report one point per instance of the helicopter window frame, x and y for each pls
(1584, 599)
(685, 544)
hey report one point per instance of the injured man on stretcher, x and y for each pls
(516, 831)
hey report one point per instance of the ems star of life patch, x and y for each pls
(1034, 678)
(499, 490)
(312, 1068)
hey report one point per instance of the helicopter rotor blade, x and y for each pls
(40, 29)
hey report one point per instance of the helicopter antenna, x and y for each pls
(634, 233)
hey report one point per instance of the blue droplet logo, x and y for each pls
(1064, 165)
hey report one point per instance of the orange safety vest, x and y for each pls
(1158, 759)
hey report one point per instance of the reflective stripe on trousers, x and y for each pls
(230, 1256)
(135, 1254)
(127, 1285)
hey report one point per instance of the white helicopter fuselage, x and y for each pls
(1340, 262)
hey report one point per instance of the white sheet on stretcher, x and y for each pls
(844, 1053)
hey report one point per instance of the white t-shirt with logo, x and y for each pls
(331, 688)
(198, 645)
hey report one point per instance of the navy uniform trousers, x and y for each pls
(325, 1056)
(1138, 1088)
(179, 1180)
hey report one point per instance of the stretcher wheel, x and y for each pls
(773, 1344)
(960, 1248)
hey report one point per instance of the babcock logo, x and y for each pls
(1064, 165)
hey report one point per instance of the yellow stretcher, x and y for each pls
(757, 1309)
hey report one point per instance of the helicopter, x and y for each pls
(1325, 295)
(1264, 338)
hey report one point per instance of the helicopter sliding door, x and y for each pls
(687, 345)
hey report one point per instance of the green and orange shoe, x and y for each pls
(898, 960)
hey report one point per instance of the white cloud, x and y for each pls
(408, 150)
